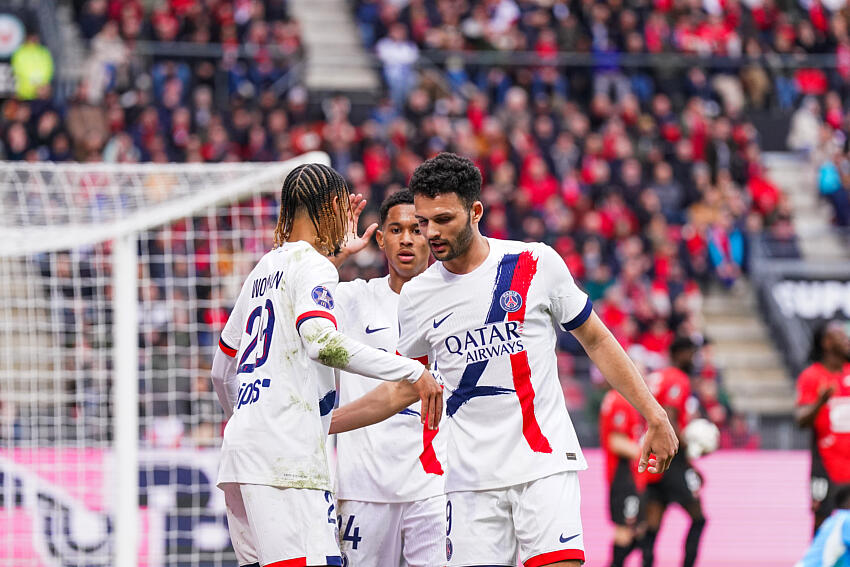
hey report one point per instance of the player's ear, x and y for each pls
(476, 212)
(379, 238)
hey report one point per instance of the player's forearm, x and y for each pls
(604, 350)
(805, 415)
(381, 403)
(224, 379)
(623, 375)
(328, 346)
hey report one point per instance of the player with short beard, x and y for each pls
(485, 315)
(273, 469)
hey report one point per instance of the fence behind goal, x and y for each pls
(114, 284)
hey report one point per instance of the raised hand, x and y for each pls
(353, 243)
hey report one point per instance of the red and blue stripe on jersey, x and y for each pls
(515, 272)
(311, 314)
(226, 349)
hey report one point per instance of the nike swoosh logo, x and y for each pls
(370, 331)
(566, 539)
(440, 322)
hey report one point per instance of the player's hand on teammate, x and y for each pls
(431, 395)
(658, 447)
(353, 243)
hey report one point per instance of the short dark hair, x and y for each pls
(401, 197)
(816, 353)
(448, 173)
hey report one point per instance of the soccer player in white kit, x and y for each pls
(273, 469)
(486, 314)
(390, 489)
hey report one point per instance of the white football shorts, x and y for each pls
(377, 534)
(539, 519)
(281, 527)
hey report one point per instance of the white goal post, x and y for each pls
(114, 279)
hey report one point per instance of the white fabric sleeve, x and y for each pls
(315, 281)
(328, 346)
(411, 340)
(569, 305)
(225, 381)
(231, 335)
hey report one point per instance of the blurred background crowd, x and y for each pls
(647, 179)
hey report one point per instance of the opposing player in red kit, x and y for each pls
(620, 430)
(681, 483)
(823, 403)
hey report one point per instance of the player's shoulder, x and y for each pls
(811, 372)
(812, 376)
(518, 246)
(351, 288)
(425, 282)
(359, 289)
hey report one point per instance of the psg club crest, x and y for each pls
(322, 296)
(511, 301)
(448, 549)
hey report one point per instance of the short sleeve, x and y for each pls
(570, 306)
(315, 280)
(412, 342)
(344, 295)
(807, 388)
(231, 335)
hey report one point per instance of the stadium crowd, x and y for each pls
(647, 180)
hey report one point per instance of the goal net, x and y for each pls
(115, 281)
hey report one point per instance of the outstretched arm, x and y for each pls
(381, 403)
(328, 346)
(604, 350)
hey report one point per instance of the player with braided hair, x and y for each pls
(278, 401)
(313, 189)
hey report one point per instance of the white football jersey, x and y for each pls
(397, 460)
(276, 436)
(491, 334)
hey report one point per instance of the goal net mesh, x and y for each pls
(199, 231)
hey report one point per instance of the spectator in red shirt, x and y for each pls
(823, 404)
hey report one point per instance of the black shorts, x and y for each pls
(623, 497)
(681, 484)
(823, 489)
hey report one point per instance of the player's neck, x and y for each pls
(833, 363)
(397, 280)
(474, 256)
(303, 229)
